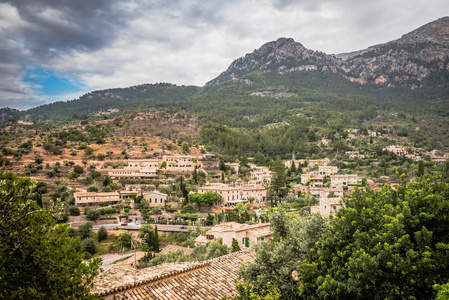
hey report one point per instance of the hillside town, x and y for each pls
(293, 174)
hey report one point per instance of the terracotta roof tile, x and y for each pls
(211, 279)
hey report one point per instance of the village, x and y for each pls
(209, 211)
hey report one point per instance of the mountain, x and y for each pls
(419, 58)
(282, 56)
(135, 97)
(409, 74)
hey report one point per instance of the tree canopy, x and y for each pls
(204, 199)
(388, 244)
(38, 260)
(275, 262)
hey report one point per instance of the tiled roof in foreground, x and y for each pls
(210, 279)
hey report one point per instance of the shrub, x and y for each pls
(89, 245)
(92, 188)
(74, 211)
(102, 234)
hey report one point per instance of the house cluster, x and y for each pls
(150, 168)
(322, 181)
(258, 174)
(246, 235)
(231, 195)
(152, 198)
(416, 154)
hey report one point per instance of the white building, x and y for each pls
(246, 235)
(327, 170)
(181, 163)
(93, 198)
(344, 180)
(155, 198)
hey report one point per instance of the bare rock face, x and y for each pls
(408, 61)
(282, 56)
(405, 61)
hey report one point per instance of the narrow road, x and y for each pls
(108, 259)
(160, 227)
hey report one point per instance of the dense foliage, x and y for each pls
(38, 260)
(294, 238)
(392, 243)
(387, 244)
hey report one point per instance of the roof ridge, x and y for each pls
(171, 273)
(158, 277)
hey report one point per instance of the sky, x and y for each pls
(58, 50)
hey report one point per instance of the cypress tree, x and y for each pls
(156, 240)
(150, 239)
(195, 176)
(293, 167)
(420, 168)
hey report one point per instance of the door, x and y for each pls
(247, 242)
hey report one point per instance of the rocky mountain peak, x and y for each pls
(283, 55)
(436, 32)
(407, 61)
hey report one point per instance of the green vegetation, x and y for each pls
(393, 243)
(38, 259)
(387, 244)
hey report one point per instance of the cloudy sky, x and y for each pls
(53, 50)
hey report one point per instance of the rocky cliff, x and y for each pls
(420, 55)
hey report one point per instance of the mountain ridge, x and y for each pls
(404, 62)
(419, 59)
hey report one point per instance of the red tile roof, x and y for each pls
(210, 279)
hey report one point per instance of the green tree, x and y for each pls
(85, 229)
(443, 291)
(208, 198)
(216, 249)
(156, 240)
(74, 211)
(78, 169)
(195, 175)
(235, 245)
(293, 168)
(182, 187)
(279, 182)
(392, 243)
(92, 188)
(38, 260)
(93, 215)
(294, 240)
(421, 168)
(89, 245)
(102, 234)
(125, 239)
(246, 292)
(107, 180)
(147, 232)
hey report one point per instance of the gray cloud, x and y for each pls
(107, 44)
(58, 26)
